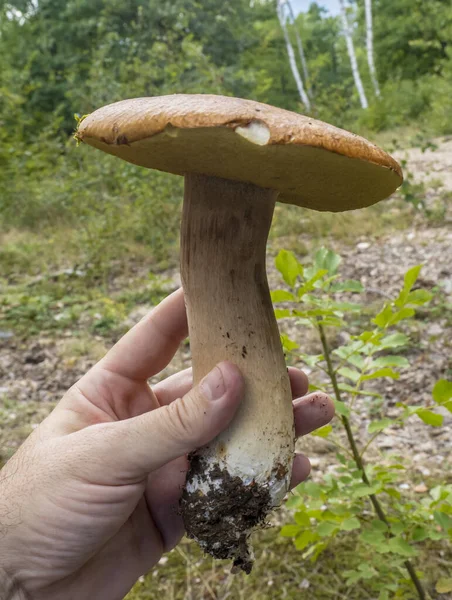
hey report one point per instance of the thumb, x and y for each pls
(127, 451)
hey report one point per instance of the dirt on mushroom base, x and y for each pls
(224, 517)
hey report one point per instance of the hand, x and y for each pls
(89, 502)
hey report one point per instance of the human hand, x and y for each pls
(89, 502)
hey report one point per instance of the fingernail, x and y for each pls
(213, 385)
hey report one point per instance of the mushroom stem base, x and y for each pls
(223, 518)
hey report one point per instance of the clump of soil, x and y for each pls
(222, 519)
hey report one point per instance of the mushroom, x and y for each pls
(238, 157)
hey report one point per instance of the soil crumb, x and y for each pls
(222, 519)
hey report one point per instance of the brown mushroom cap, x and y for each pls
(311, 163)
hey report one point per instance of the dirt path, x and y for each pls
(434, 164)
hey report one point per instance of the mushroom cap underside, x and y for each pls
(311, 163)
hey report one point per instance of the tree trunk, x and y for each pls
(352, 56)
(291, 55)
(370, 46)
(304, 64)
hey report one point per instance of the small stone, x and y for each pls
(6, 335)
(435, 329)
(447, 285)
(363, 245)
(426, 472)
(421, 488)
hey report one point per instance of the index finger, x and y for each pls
(150, 345)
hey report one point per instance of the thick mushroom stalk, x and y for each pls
(238, 478)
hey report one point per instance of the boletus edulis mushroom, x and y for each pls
(238, 158)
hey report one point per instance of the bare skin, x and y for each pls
(89, 502)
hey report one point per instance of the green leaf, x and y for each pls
(304, 539)
(332, 321)
(393, 341)
(373, 538)
(386, 372)
(290, 531)
(345, 306)
(419, 297)
(326, 529)
(393, 493)
(323, 432)
(439, 493)
(282, 313)
(404, 313)
(367, 571)
(311, 359)
(356, 360)
(349, 285)
(349, 373)
(302, 519)
(378, 525)
(397, 528)
(390, 361)
(341, 408)
(442, 393)
(352, 576)
(327, 259)
(351, 390)
(400, 546)
(419, 534)
(362, 490)
(411, 277)
(380, 425)
(311, 489)
(350, 524)
(429, 417)
(288, 266)
(367, 336)
(282, 296)
(443, 520)
(288, 344)
(443, 585)
(383, 317)
(309, 285)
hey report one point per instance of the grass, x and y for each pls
(280, 572)
(17, 420)
(68, 302)
(294, 228)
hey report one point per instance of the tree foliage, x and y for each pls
(65, 57)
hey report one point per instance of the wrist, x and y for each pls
(10, 588)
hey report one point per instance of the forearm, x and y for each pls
(10, 588)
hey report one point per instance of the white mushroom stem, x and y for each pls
(224, 233)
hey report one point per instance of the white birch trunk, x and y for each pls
(370, 46)
(352, 56)
(304, 64)
(291, 55)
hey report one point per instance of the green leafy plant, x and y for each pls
(388, 536)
